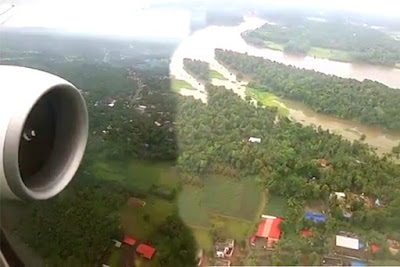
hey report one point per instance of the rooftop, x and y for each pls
(269, 227)
(146, 251)
(129, 240)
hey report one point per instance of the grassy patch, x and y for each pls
(115, 258)
(219, 195)
(274, 46)
(231, 228)
(276, 206)
(216, 75)
(267, 99)
(137, 174)
(233, 198)
(203, 239)
(191, 207)
(329, 54)
(177, 85)
(141, 222)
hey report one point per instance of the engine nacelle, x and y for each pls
(43, 133)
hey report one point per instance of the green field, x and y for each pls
(216, 75)
(231, 228)
(203, 238)
(274, 46)
(276, 206)
(137, 174)
(267, 99)
(219, 196)
(177, 85)
(318, 52)
(140, 222)
(329, 54)
(191, 206)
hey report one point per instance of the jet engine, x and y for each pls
(43, 133)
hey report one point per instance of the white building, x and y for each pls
(255, 140)
(347, 242)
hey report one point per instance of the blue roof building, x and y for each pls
(317, 218)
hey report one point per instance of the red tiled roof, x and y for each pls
(375, 248)
(275, 231)
(129, 240)
(269, 228)
(305, 233)
(146, 251)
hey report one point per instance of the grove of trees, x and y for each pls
(368, 102)
(213, 138)
(362, 43)
(197, 69)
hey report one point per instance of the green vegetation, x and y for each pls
(274, 46)
(216, 75)
(198, 69)
(332, 54)
(140, 222)
(333, 40)
(191, 209)
(267, 99)
(225, 228)
(221, 196)
(276, 206)
(240, 199)
(367, 102)
(177, 85)
(203, 238)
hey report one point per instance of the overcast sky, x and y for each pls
(130, 17)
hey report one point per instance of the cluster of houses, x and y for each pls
(349, 249)
(145, 251)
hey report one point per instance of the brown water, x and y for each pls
(201, 45)
(375, 136)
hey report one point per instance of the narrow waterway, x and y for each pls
(201, 45)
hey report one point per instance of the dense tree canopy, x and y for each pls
(198, 69)
(214, 138)
(362, 43)
(367, 102)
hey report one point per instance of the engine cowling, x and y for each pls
(43, 133)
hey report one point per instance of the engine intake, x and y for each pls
(43, 133)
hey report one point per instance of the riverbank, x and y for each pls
(201, 45)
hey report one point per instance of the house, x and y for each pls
(255, 140)
(375, 248)
(305, 233)
(129, 240)
(347, 242)
(112, 103)
(316, 218)
(224, 249)
(117, 243)
(349, 245)
(146, 251)
(141, 108)
(340, 196)
(268, 229)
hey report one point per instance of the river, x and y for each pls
(201, 45)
